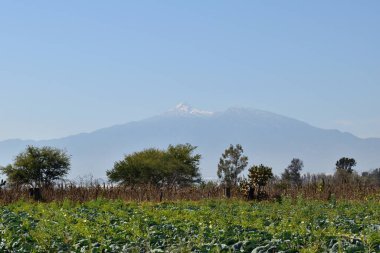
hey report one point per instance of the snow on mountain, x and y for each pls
(185, 109)
(266, 137)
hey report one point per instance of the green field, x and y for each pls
(207, 226)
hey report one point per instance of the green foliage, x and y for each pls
(38, 167)
(175, 166)
(292, 174)
(138, 168)
(245, 188)
(231, 164)
(344, 170)
(259, 175)
(185, 165)
(345, 164)
(207, 226)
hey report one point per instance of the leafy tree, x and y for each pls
(292, 173)
(231, 164)
(139, 168)
(176, 166)
(38, 167)
(258, 177)
(345, 164)
(344, 169)
(184, 165)
(245, 189)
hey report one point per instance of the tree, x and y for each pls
(258, 177)
(345, 164)
(184, 165)
(38, 167)
(139, 168)
(176, 166)
(231, 164)
(344, 169)
(292, 173)
(372, 177)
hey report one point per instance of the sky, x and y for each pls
(76, 66)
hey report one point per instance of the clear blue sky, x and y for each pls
(75, 66)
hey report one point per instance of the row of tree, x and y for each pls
(233, 162)
(176, 166)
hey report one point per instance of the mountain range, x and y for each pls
(266, 137)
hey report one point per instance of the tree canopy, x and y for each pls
(177, 165)
(38, 167)
(344, 169)
(231, 164)
(259, 175)
(292, 173)
(345, 164)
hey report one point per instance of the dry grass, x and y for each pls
(275, 190)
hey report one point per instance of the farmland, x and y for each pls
(290, 225)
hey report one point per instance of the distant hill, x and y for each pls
(266, 137)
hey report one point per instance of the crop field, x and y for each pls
(205, 226)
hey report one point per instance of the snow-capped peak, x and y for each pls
(183, 108)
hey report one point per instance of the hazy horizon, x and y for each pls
(267, 138)
(175, 109)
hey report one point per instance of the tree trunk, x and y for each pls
(35, 193)
(251, 193)
(227, 192)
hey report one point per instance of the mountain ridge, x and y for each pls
(267, 137)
